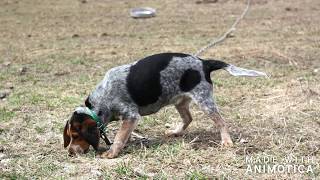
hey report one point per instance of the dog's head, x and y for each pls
(80, 132)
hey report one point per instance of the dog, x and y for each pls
(142, 88)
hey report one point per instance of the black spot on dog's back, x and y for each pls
(189, 80)
(143, 81)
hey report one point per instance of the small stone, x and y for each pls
(243, 141)
(9, 86)
(5, 161)
(167, 125)
(316, 70)
(22, 70)
(75, 36)
(104, 35)
(291, 9)
(231, 35)
(2, 156)
(7, 63)
(96, 172)
(4, 94)
(288, 9)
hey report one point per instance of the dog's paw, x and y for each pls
(109, 154)
(227, 143)
(173, 133)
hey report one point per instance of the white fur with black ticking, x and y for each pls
(145, 86)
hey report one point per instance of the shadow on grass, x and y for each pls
(200, 139)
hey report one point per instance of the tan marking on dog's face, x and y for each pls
(77, 145)
(79, 133)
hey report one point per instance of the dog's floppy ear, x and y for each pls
(90, 133)
(66, 137)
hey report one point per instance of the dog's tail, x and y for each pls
(212, 65)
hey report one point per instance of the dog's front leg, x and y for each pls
(121, 138)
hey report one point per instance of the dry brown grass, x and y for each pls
(54, 52)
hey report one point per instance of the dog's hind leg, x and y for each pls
(204, 98)
(183, 109)
(225, 136)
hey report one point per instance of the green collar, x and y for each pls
(97, 119)
(94, 116)
(101, 126)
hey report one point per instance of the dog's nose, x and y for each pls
(71, 154)
(74, 150)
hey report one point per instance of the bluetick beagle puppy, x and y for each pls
(142, 88)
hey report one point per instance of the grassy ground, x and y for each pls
(53, 53)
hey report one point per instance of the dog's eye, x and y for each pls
(76, 129)
(75, 136)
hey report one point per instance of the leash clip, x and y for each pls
(105, 138)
